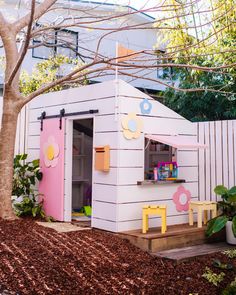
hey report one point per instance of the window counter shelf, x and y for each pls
(159, 182)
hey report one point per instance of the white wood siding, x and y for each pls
(101, 97)
(216, 164)
(130, 196)
(117, 199)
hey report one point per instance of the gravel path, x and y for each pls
(39, 260)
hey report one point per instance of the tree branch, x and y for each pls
(39, 11)
(26, 45)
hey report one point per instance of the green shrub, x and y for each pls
(212, 277)
(228, 210)
(230, 289)
(25, 176)
(29, 207)
(230, 253)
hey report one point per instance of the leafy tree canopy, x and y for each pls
(47, 71)
(208, 45)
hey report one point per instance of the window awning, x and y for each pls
(177, 141)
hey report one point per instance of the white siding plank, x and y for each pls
(212, 159)
(89, 92)
(188, 173)
(142, 193)
(104, 106)
(133, 211)
(201, 163)
(230, 154)
(34, 128)
(225, 153)
(219, 159)
(105, 177)
(105, 193)
(207, 163)
(127, 158)
(187, 158)
(106, 123)
(104, 210)
(234, 149)
(106, 138)
(104, 224)
(132, 105)
(34, 142)
(166, 126)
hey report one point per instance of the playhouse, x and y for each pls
(114, 148)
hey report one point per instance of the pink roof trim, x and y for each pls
(177, 141)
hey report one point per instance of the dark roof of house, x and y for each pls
(114, 5)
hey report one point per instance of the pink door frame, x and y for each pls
(52, 160)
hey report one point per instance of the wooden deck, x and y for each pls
(181, 254)
(177, 236)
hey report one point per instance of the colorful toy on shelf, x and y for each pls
(167, 170)
(155, 173)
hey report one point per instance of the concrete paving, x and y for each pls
(63, 227)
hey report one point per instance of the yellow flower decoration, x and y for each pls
(51, 152)
(132, 126)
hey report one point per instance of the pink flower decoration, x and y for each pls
(51, 152)
(181, 199)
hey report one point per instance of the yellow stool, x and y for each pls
(204, 206)
(154, 210)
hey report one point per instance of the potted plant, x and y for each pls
(24, 195)
(227, 217)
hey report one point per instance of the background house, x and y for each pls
(83, 41)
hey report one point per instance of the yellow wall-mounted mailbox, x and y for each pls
(102, 158)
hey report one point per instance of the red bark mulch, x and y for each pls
(38, 260)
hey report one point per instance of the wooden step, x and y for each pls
(181, 254)
(177, 236)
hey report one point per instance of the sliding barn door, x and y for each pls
(52, 145)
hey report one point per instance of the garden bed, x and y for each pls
(39, 260)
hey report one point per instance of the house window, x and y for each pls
(156, 154)
(67, 43)
(64, 42)
(41, 51)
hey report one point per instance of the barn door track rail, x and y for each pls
(63, 114)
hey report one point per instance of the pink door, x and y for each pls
(52, 166)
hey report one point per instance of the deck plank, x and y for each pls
(177, 236)
(181, 254)
(172, 230)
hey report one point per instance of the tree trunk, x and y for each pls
(7, 146)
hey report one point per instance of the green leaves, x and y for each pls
(234, 226)
(204, 105)
(232, 191)
(48, 71)
(25, 176)
(29, 207)
(24, 179)
(232, 199)
(216, 224)
(220, 190)
(227, 195)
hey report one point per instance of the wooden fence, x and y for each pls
(217, 164)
